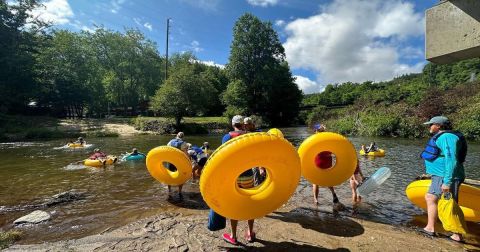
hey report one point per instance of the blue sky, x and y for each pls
(326, 42)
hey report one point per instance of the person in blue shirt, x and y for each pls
(443, 156)
(245, 181)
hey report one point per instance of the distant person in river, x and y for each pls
(80, 141)
(179, 143)
(356, 180)
(98, 155)
(135, 152)
(372, 147)
(244, 181)
(325, 159)
(444, 156)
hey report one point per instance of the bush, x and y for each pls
(9, 237)
(317, 115)
(344, 125)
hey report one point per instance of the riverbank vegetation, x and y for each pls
(400, 106)
(9, 237)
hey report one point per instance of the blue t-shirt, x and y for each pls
(446, 165)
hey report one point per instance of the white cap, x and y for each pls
(238, 119)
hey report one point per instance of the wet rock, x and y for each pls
(64, 197)
(33, 218)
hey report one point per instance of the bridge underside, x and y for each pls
(453, 31)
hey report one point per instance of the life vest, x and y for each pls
(432, 152)
(177, 143)
(234, 134)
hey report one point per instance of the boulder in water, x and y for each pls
(64, 197)
(33, 218)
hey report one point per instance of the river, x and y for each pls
(33, 171)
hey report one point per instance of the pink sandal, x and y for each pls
(228, 238)
(250, 238)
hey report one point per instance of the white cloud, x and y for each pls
(263, 3)
(354, 40)
(308, 86)
(279, 23)
(56, 12)
(116, 5)
(140, 23)
(195, 46)
(210, 63)
(412, 53)
(210, 5)
(148, 26)
(80, 26)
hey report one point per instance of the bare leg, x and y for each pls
(250, 227)
(315, 194)
(431, 211)
(334, 195)
(353, 185)
(180, 191)
(233, 224)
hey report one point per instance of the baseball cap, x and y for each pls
(441, 120)
(247, 120)
(238, 119)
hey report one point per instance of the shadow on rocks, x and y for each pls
(189, 200)
(281, 246)
(321, 222)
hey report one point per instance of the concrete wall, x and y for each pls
(453, 31)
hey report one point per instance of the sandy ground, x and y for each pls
(279, 231)
(123, 129)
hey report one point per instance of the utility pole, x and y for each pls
(166, 54)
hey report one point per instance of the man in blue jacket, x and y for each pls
(444, 156)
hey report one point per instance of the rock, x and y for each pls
(34, 218)
(63, 197)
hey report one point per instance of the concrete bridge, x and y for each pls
(453, 31)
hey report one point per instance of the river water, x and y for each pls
(31, 172)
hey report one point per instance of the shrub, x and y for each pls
(9, 237)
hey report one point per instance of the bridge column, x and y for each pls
(453, 31)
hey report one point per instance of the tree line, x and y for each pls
(74, 74)
(398, 107)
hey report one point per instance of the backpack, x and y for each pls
(177, 143)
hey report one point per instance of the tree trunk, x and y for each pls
(177, 122)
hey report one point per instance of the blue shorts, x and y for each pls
(436, 187)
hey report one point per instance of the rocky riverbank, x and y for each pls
(286, 230)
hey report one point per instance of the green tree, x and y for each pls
(235, 98)
(19, 36)
(183, 94)
(257, 58)
(131, 64)
(68, 72)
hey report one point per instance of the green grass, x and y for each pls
(9, 237)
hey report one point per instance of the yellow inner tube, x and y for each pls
(75, 145)
(378, 153)
(468, 198)
(275, 131)
(218, 183)
(341, 147)
(157, 157)
(97, 163)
